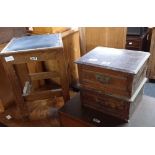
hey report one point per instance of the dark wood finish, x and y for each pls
(111, 105)
(20, 54)
(116, 72)
(151, 68)
(138, 42)
(111, 80)
(6, 33)
(73, 114)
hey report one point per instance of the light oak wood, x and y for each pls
(43, 30)
(43, 75)
(38, 55)
(71, 44)
(92, 37)
(43, 95)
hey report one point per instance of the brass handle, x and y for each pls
(102, 78)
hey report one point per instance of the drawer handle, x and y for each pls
(130, 43)
(102, 78)
(33, 58)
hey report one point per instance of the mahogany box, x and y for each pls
(112, 80)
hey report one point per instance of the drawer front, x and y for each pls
(106, 104)
(133, 43)
(106, 83)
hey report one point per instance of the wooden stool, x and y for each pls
(31, 49)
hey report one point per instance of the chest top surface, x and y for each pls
(123, 60)
(35, 42)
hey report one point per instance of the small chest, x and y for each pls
(113, 71)
(112, 80)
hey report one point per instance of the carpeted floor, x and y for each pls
(149, 89)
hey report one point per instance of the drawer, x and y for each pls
(110, 105)
(133, 43)
(104, 103)
(106, 82)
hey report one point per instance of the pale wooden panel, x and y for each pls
(35, 67)
(151, 66)
(43, 30)
(91, 37)
(72, 52)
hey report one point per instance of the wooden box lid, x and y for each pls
(123, 60)
(35, 42)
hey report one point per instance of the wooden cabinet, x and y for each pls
(92, 37)
(139, 42)
(110, 82)
(112, 71)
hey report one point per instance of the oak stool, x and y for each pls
(36, 48)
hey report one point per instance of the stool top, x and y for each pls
(35, 42)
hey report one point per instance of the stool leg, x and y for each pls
(10, 71)
(63, 77)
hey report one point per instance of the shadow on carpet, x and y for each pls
(149, 89)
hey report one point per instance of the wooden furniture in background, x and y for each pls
(151, 68)
(33, 49)
(44, 30)
(91, 37)
(71, 42)
(139, 42)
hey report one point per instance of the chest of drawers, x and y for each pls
(111, 79)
